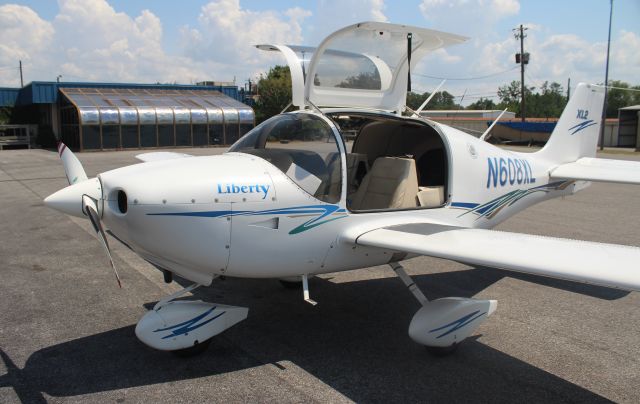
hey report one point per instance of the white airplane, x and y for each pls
(292, 198)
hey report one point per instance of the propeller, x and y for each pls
(90, 208)
(80, 198)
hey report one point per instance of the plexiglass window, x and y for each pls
(303, 147)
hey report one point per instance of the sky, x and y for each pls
(197, 40)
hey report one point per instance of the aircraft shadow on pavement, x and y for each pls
(354, 341)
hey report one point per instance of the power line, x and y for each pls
(536, 81)
(466, 78)
(623, 88)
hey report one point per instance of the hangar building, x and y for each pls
(103, 116)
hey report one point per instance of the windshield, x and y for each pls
(303, 147)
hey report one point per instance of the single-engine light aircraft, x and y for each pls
(305, 199)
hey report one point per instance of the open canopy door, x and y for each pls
(297, 57)
(363, 65)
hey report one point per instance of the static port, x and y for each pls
(122, 201)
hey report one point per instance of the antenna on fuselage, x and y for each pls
(424, 104)
(485, 135)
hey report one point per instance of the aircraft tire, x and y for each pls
(195, 350)
(441, 352)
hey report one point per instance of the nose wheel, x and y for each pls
(196, 349)
(186, 327)
(441, 352)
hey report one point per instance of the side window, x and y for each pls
(303, 147)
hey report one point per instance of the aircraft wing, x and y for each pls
(594, 169)
(157, 156)
(609, 265)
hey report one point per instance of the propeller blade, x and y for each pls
(72, 167)
(89, 207)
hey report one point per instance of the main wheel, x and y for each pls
(440, 351)
(196, 349)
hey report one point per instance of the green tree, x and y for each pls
(635, 95)
(274, 93)
(482, 104)
(5, 115)
(442, 100)
(509, 95)
(414, 100)
(364, 80)
(618, 98)
(548, 102)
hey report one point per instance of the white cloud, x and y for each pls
(505, 7)
(625, 54)
(475, 16)
(332, 15)
(377, 10)
(111, 46)
(227, 32)
(25, 36)
(557, 57)
(89, 40)
(442, 56)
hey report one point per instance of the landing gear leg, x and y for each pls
(409, 283)
(442, 324)
(422, 299)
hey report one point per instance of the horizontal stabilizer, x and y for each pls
(594, 169)
(582, 261)
(157, 156)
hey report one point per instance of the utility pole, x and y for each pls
(21, 81)
(523, 59)
(568, 88)
(606, 81)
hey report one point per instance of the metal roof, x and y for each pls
(8, 96)
(631, 108)
(46, 92)
(130, 106)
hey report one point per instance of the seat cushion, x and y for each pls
(392, 183)
(431, 197)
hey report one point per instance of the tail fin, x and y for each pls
(72, 166)
(576, 134)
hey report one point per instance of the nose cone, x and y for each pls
(69, 200)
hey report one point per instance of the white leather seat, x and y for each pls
(392, 183)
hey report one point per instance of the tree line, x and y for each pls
(547, 101)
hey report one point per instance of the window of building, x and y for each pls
(111, 118)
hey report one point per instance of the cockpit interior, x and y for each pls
(392, 163)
